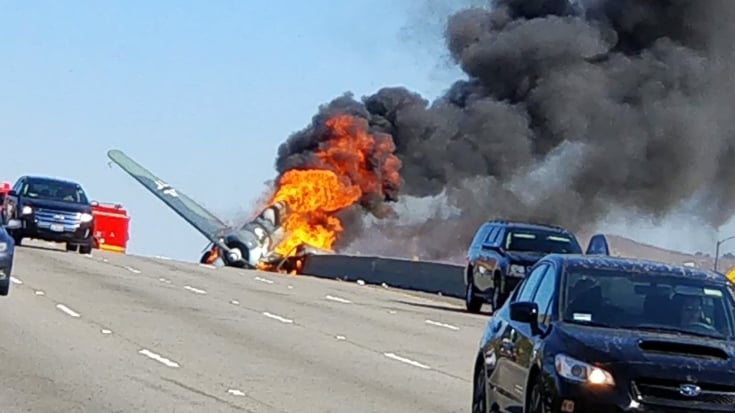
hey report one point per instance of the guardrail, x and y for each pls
(424, 276)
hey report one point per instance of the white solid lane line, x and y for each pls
(438, 324)
(341, 338)
(264, 280)
(194, 290)
(67, 310)
(133, 270)
(337, 299)
(16, 281)
(277, 317)
(405, 360)
(158, 358)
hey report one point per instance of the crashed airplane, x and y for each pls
(250, 246)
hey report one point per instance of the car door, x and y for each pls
(524, 343)
(510, 356)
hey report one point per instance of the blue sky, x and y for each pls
(203, 92)
(200, 92)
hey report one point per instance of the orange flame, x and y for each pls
(344, 177)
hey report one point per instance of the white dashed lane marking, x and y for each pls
(39, 292)
(210, 266)
(235, 392)
(337, 299)
(16, 281)
(264, 280)
(405, 360)
(106, 331)
(67, 310)
(194, 290)
(163, 280)
(277, 317)
(235, 302)
(341, 338)
(133, 270)
(158, 358)
(438, 324)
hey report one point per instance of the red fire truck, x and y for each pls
(110, 227)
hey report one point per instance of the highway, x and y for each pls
(116, 333)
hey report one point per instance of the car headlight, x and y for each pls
(582, 372)
(85, 217)
(3, 246)
(517, 270)
(27, 210)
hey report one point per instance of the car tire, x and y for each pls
(539, 401)
(479, 390)
(5, 287)
(472, 302)
(499, 296)
(85, 249)
(71, 247)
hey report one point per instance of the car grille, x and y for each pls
(46, 217)
(666, 393)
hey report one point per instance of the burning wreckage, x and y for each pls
(254, 245)
(333, 165)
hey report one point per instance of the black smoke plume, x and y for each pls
(570, 110)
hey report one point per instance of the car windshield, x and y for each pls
(534, 240)
(657, 302)
(54, 191)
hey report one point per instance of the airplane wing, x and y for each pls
(204, 221)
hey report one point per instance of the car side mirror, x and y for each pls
(13, 224)
(525, 312)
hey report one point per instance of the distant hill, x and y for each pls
(626, 247)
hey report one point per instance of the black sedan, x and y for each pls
(601, 334)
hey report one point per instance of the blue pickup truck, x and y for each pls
(502, 252)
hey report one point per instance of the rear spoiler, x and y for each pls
(598, 245)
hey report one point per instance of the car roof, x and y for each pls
(635, 265)
(528, 225)
(49, 178)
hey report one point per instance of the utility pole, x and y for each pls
(717, 249)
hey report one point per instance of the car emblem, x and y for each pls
(690, 390)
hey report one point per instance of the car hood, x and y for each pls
(608, 345)
(524, 257)
(58, 205)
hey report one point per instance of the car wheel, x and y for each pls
(5, 287)
(498, 296)
(479, 390)
(472, 302)
(85, 249)
(539, 401)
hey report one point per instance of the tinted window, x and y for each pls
(545, 294)
(620, 299)
(535, 240)
(529, 286)
(54, 190)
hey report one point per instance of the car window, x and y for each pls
(627, 299)
(529, 286)
(54, 190)
(534, 240)
(545, 294)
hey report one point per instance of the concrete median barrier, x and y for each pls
(430, 277)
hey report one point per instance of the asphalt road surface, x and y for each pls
(114, 333)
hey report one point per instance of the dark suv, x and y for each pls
(53, 210)
(501, 253)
